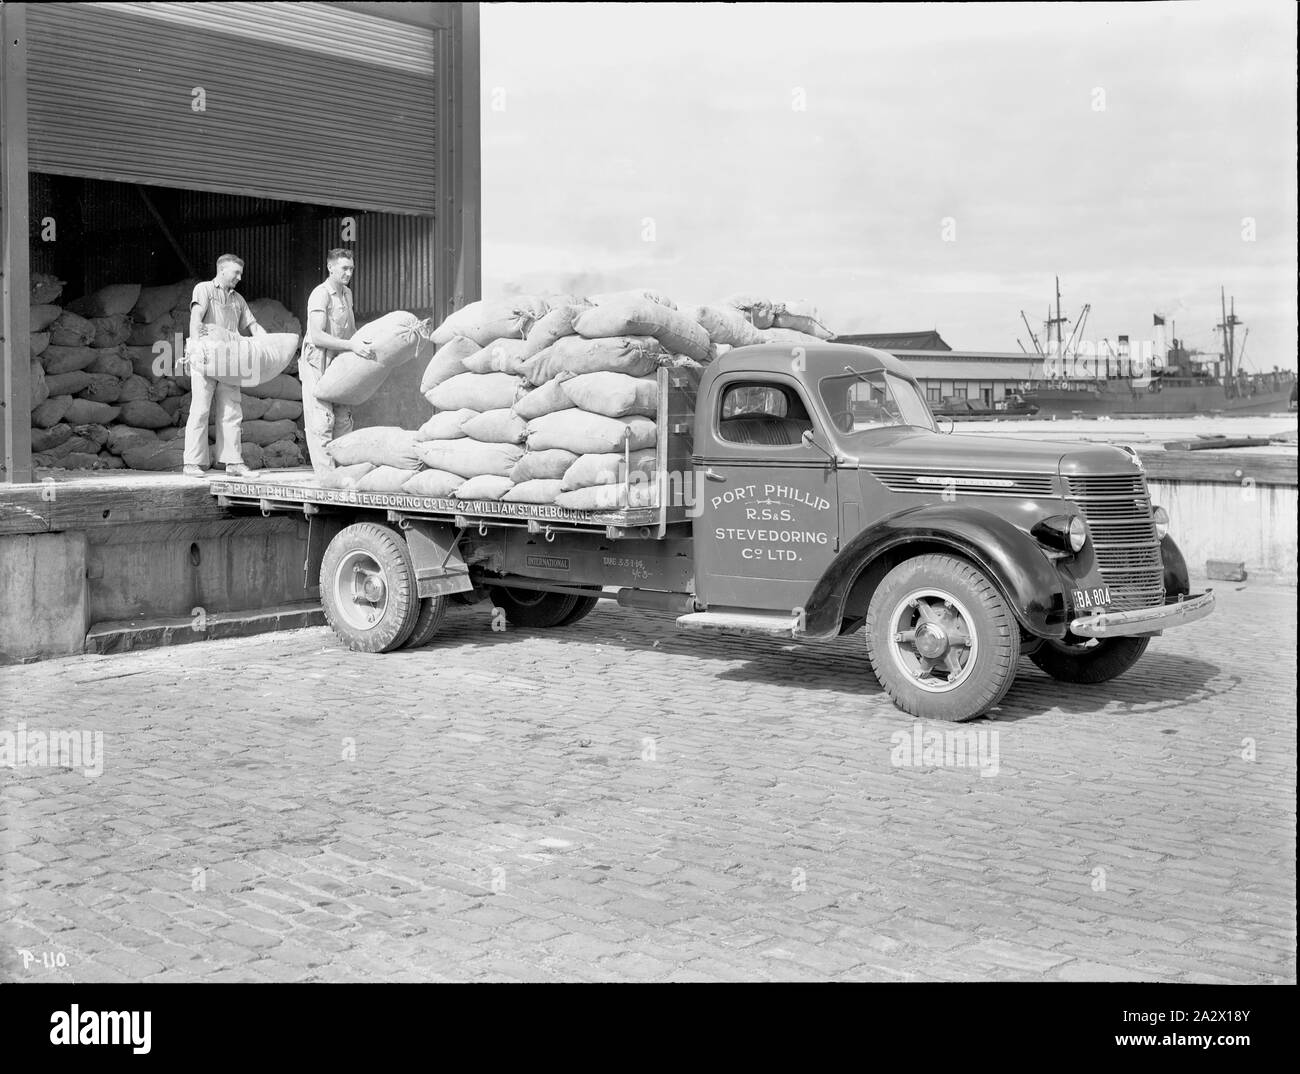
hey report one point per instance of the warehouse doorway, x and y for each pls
(156, 242)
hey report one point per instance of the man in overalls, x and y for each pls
(330, 326)
(216, 302)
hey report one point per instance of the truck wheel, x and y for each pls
(582, 607)
(367, 588)
(1108, 659)
(427, 623)
(532, 607)
(941, 639)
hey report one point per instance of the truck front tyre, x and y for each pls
(367, 586)
(1108, 659)
(427, 623)
(532, 607)
(941, 640)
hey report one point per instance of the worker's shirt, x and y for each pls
(335, 301)
(224, 308)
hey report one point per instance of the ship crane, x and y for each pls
(1078, 324)
(1241, 354)
(1063, 346)
(1033, 338)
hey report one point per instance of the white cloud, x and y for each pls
(684, 114)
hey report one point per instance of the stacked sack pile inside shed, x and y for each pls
(548, 399)
(103, 396)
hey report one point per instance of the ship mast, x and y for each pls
(1058, 320)
(1045, 350)
(1228, 327)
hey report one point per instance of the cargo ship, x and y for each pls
(1182, 386)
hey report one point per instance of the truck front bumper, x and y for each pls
(1144, 620)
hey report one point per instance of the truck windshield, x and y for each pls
(858, 402)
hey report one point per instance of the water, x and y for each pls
(1147, 433)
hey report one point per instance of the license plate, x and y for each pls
(1092, 598)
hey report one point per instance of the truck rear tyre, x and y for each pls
(941, 639)
(582, 607)
(367, 587)
(1106, 660)
(427, 623)
(532, 607)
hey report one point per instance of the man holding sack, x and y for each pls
(330, 326)
(216, 302)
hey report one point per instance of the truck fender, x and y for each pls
(1177, 580)
(440, 569)
(1011, 559)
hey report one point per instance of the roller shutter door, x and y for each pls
(303, 102)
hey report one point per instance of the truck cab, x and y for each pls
(830, 502)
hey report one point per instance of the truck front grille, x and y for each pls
(1117, 508)
(961, 482)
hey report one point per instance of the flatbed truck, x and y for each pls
(802, 492)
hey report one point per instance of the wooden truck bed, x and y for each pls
(675, 422)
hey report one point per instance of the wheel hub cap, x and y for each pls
(372, 587)
(360, 590)
(931, 640)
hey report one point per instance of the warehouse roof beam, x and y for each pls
(166, 231)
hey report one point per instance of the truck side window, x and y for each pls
(766, 414)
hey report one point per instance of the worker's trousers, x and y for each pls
(204, 391)
(322, 422)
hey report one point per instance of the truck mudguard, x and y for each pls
(1177, 581)
(1011, 558)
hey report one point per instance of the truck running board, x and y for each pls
(776, 624)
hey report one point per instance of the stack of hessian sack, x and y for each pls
(103, 391)
(537, 400)
(88, 380)
(547, 399)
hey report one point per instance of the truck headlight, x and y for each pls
(1064, 532)
(1161, 518)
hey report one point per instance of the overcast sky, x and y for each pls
(818, 151)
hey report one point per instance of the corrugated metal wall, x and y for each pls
(314, 113)
(395, 262)
(111, 96)
(268, 258)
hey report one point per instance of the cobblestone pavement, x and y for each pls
(618, 801)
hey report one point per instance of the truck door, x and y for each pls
(767, 527)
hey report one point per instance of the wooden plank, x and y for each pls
(1220, 467)
(89, 503)
(15, 287)
(1217, 443)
